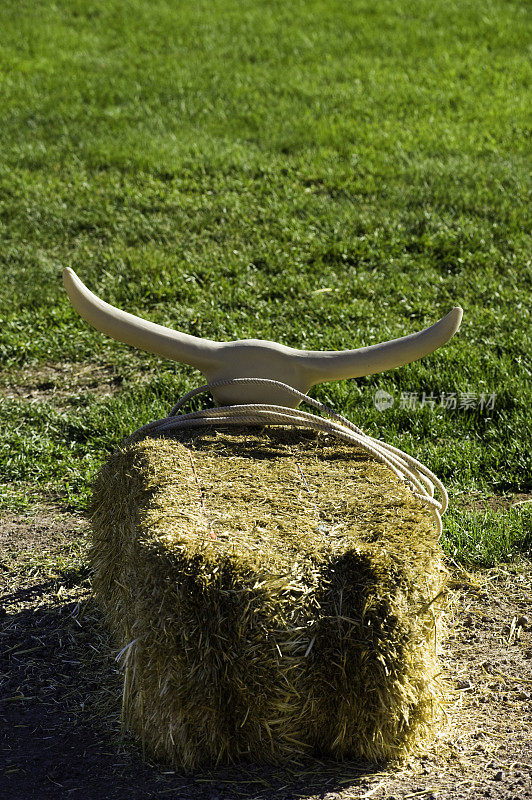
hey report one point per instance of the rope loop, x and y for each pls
(419, 479)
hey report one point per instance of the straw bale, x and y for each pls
(274, 593)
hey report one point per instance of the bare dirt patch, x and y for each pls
(55, 382)
(59, 701)
(496, 502)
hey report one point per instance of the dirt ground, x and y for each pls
(59, 698)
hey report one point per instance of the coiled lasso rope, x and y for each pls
(420, 480)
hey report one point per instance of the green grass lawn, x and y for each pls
(324, 174)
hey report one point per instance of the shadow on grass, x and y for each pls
(59, 713)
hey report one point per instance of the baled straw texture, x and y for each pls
(273, 593)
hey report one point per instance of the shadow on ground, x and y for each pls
(61, 728)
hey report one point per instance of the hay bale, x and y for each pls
(273, 593)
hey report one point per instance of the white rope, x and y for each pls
(417, 477)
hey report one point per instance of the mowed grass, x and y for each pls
(324, 174)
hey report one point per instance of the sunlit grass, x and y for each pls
(324, 174)
(483, 537)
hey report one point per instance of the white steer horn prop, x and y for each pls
(253, 358)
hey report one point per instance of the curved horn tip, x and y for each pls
(455, 318)
(69, 277)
